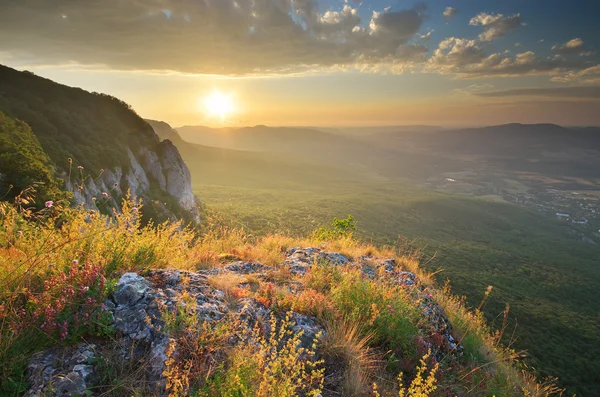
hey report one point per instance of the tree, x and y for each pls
(23, 162)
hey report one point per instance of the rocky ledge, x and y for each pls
(139, 300)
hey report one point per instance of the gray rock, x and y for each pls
(246, 267)
(61, 371)
(300, 260)
(131, 288)
(309, 327)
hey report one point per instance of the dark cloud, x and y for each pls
(208, 36)
(565, 92)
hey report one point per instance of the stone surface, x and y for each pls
(61, 371)
(161, 167)
(300, 260)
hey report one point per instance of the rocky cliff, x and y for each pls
(101, 148)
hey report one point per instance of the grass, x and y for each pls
(374, 330)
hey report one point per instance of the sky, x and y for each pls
(320, 62)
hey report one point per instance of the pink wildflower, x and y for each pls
(49, 204)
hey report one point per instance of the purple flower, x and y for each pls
(135, 209)
(75, 262)
(49, 204)
(105, 194)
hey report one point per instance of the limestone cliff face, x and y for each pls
(150, 169)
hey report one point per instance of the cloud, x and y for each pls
(571, 47)
(449, 12)
(230, 37)
(474, 88)
(465, 58)
(495, 25)
(589, 75)
(564, 92)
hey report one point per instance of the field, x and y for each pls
(547, 277)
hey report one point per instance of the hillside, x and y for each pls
(543, 268)
(253, 168)
(99, 146)
(131, 310)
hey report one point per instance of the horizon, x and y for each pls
(328, 63)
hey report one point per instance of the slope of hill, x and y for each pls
(251, 169)
(23, 162)
(168, 311)
(99, 146)
(536, 264)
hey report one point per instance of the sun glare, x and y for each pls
(219, 105)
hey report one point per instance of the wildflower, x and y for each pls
(75, 262)
(49, 204)
(105, 194)
(51, 265)
(19, 232)
(80, 167)
(135, 209)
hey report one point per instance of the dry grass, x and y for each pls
(345, 344)
(35, 248)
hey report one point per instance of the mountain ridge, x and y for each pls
(100, 147)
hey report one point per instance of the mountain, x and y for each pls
(99, 146)
(252, 168)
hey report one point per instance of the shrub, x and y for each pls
(380, 308)
(338, 228)
(272, 365)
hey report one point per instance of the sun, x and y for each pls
(219, 105)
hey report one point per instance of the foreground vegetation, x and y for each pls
(58, 264)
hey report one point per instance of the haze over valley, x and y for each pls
(299, 198)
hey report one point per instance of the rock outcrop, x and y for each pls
(162, 168)
(138, 304)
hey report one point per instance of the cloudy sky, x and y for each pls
(320, 62)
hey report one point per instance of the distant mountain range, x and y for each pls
(421, 151)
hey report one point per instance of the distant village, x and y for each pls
(576, 208)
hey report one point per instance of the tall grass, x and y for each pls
(373, 327)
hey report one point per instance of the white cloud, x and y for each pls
(495, 25)
(571, 47)
(449, 12)
(465, 58)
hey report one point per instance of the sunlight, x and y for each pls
(218, 104)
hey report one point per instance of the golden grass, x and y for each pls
(33, 247)
(344, 342)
